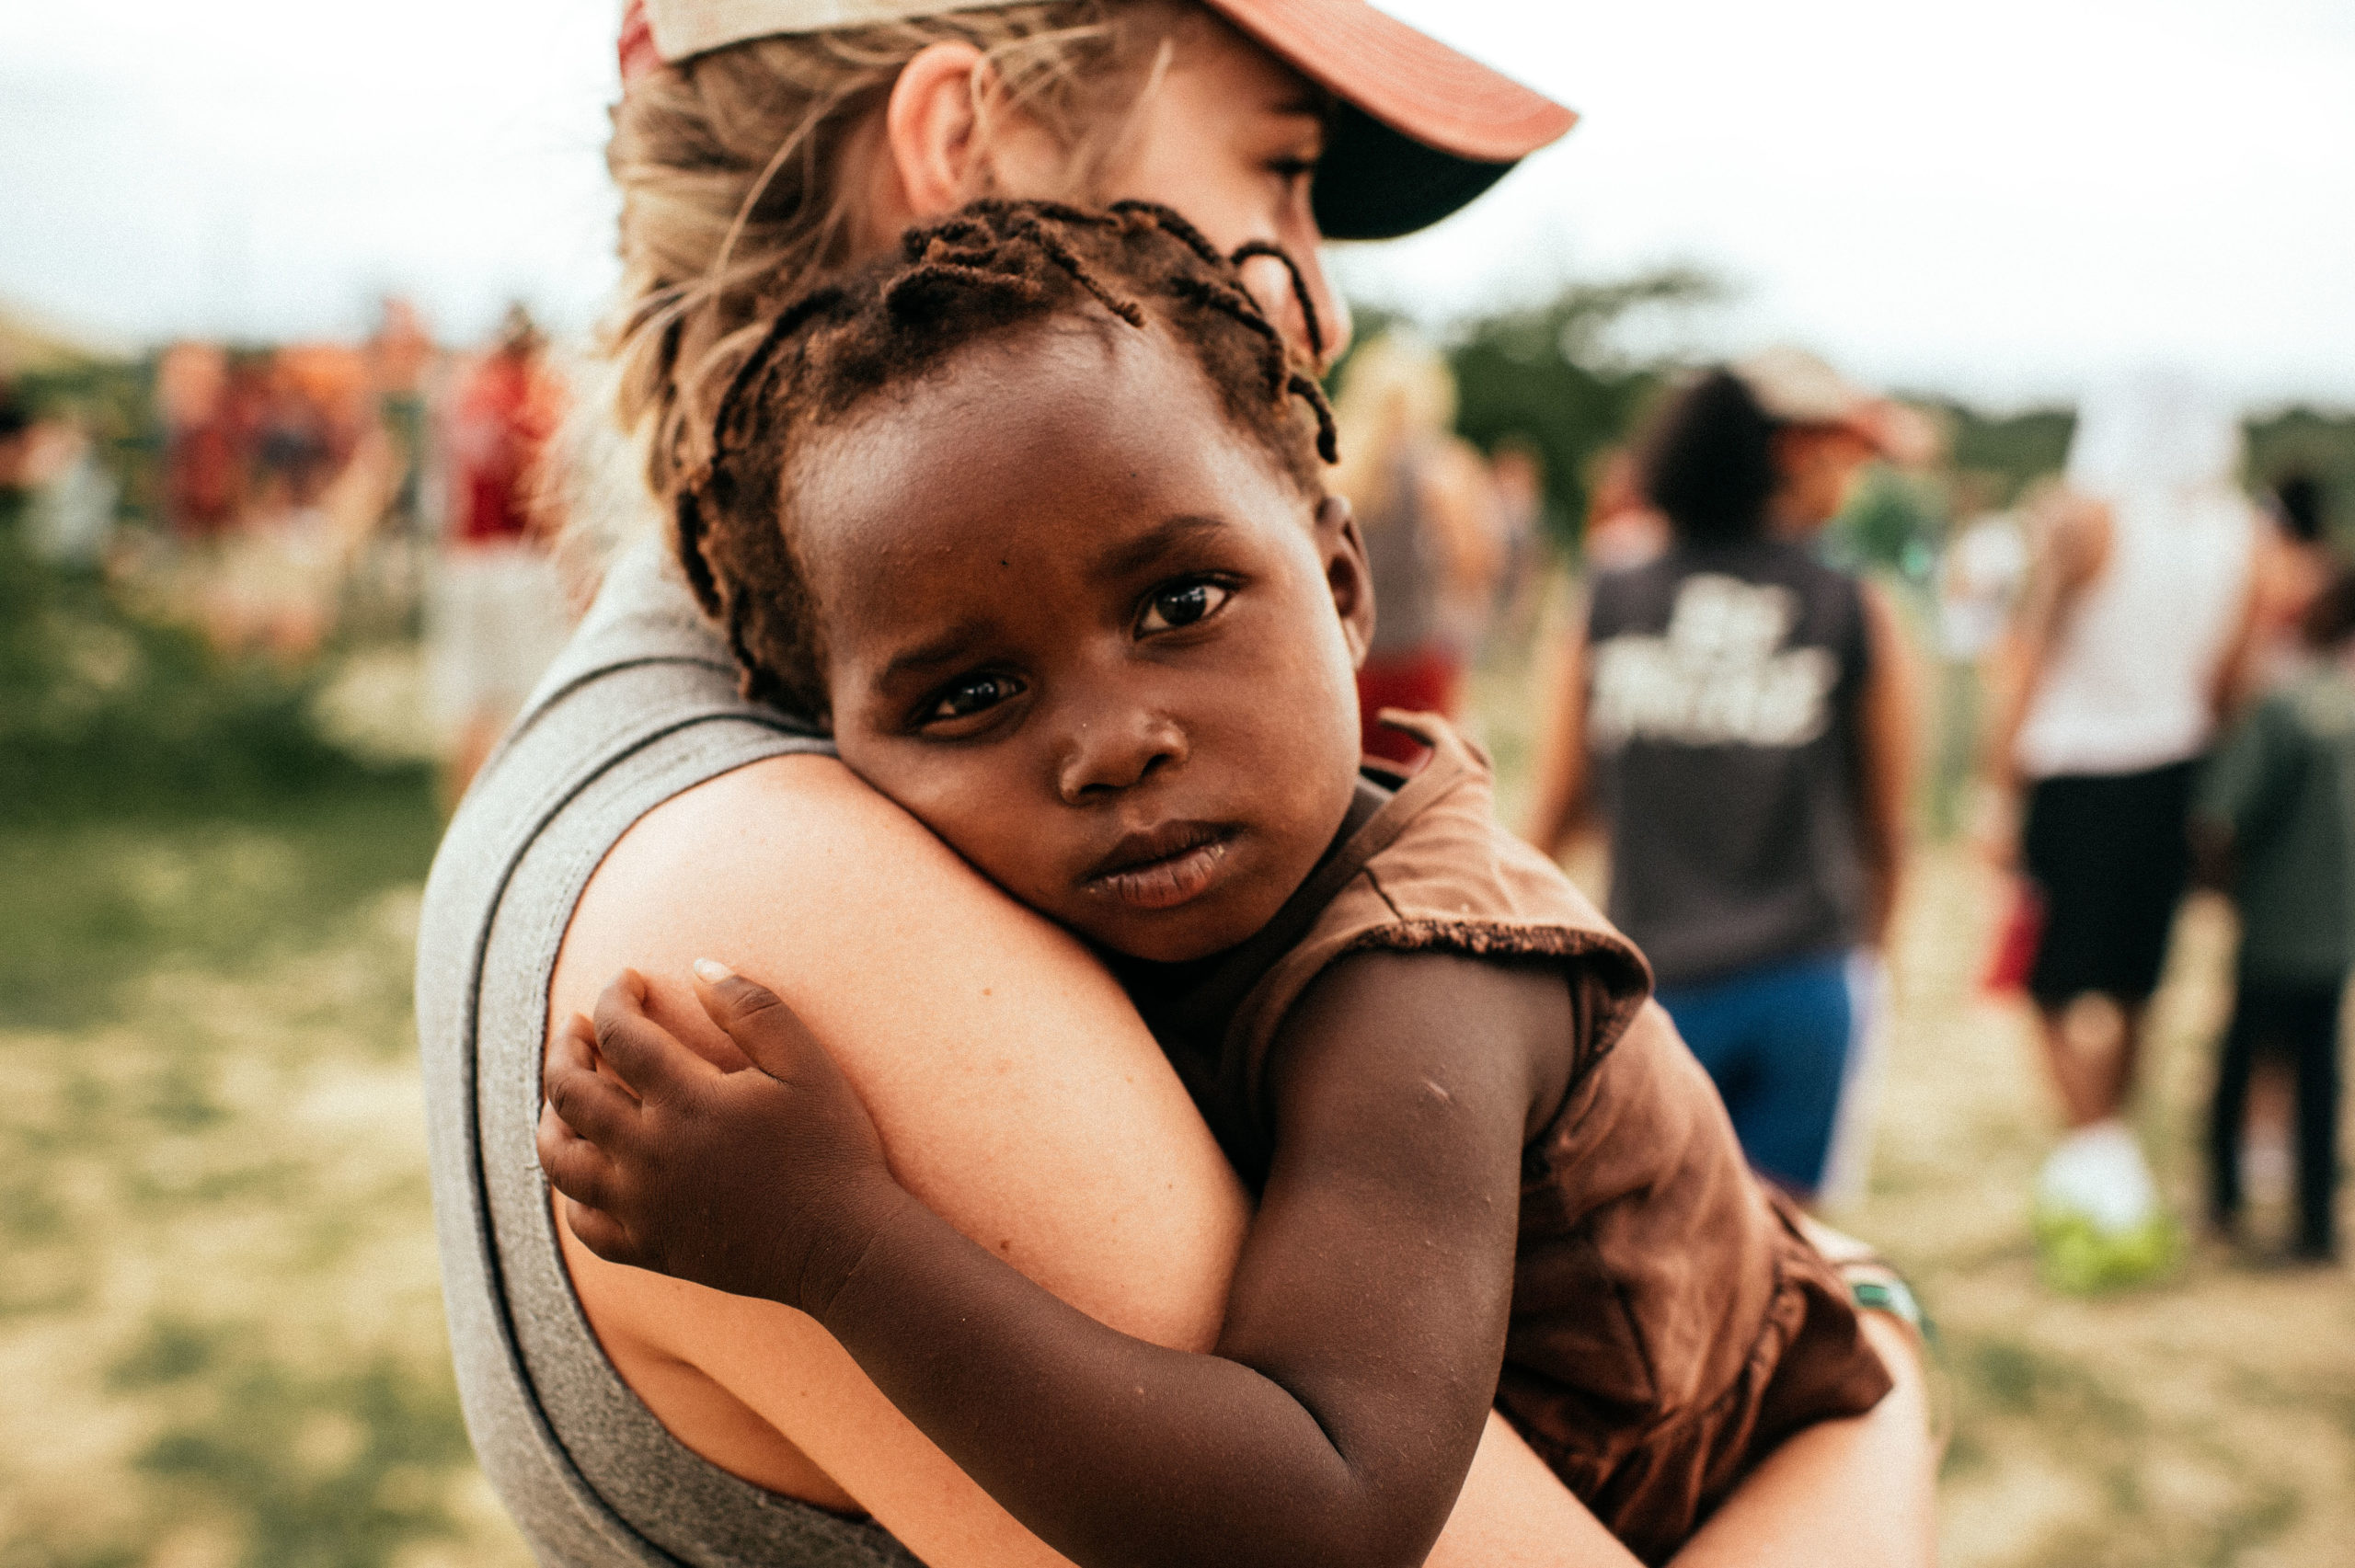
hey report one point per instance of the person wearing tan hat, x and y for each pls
(642, 812)
(1741, 714)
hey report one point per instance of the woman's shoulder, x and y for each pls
(794, 842)
(793, 871)
(967, 1022)
(791, 795)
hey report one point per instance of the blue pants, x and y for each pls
(1775, 1039)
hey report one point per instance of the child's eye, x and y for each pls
(1181, 604)
(971, 694)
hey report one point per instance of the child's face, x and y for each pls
(1083, 627)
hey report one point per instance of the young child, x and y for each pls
(2278, 803)
(1035, 517)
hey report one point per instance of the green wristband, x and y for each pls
(1896, 1297)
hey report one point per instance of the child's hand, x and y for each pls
(764, 1182)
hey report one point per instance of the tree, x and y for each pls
(1551, 375)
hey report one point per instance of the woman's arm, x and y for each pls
(1856, 1492)
(1053, 1132)
(1887, 730)
(1515, 1513)
(890, 945)
(1342, 1409)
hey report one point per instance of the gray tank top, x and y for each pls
(641, 705)
(1723, 698)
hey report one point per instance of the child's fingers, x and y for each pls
(648, 1058)
(573, 1049)
(591, 1104)
(574, 1166)
(757, 1019)
(602, 1234)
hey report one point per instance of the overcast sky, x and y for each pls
(2001, 200)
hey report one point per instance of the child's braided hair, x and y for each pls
(992, 266)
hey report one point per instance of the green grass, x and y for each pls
(88, 905)
(221, 1337)
(2197, 1420)
(221, 1342)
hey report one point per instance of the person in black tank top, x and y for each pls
(1736, 714)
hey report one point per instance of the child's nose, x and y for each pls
(1107, 754)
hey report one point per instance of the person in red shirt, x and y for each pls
(498, 613)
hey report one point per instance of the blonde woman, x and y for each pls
(642, 813)
(1433, 536)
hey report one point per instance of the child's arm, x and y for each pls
(1365, 1326)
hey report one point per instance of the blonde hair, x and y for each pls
(739, 174)
(1396, 394)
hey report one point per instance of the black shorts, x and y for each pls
(2111, 853)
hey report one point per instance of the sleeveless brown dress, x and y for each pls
(1669, 1325)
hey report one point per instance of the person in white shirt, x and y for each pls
(2131, 637)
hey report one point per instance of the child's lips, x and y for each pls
(1162, 868)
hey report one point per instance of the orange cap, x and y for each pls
(1420, 130)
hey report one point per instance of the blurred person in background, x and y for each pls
(496, 617)
(2295, 561)
(1623, 528)
(299, 440)
(213, 404)
(2275, 815)
(393, 520)
(16, 444)
(70, 514)
(1979, 574)
(2134, 629)
(205, 439)
(317, 470)
(1432, 534)
(1524, 532)
(400, 356)
(1741, 716)
(53, 486)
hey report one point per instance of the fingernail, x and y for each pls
(713, 972)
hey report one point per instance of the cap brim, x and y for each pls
(1422, 130)
(1377, 183)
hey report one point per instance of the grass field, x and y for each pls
(220, 1318)
(220, 1329)
(2206, 1421)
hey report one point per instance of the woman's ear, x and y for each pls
(951, 137)
(932, 131)
(1347, 574)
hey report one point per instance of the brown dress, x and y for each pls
(1669, 1325)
